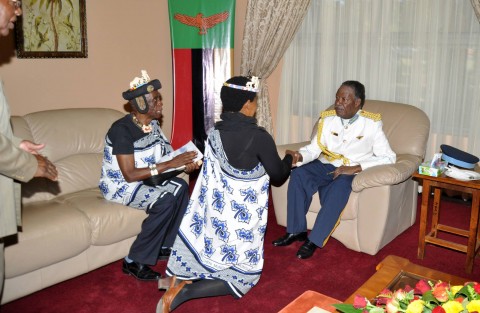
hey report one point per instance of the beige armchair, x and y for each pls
(383, 201)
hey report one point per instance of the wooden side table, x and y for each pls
(473, 235)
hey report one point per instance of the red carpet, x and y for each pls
(335, 271)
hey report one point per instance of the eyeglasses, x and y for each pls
(17, 4)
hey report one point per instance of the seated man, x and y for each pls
(134, 146)
(348, 141)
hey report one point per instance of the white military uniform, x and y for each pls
(357, 141)
(360, 142)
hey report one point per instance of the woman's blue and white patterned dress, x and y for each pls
(222, 232)
(148, 150)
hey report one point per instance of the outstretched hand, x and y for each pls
(45, 168)
(31, 147)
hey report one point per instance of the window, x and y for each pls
(424, 53)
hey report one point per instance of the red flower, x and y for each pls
(440, 291)
(438, 309)
(422, 286)
(359, 302)
(386, 293)
(476, 287)
(381, 301)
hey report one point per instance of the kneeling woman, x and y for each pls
(219, 247)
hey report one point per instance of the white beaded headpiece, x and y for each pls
(252, 85)
(139, 81)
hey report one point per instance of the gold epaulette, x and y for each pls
(328, 113)
(373, 116)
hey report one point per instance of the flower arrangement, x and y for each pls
(426, 297)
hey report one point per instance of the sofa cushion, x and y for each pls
(75, 172)
(403, 140)
(53, 231)
(71, 131)
(74, 141)
(110, 222)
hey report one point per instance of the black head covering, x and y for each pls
(137, 96)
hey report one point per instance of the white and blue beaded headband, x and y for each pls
(252, 85)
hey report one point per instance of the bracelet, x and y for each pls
(153, 169)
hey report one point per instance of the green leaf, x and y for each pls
(429, 298)
(346, 308)
(377, 309)
(467, 291)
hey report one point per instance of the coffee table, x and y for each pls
(311, 301)
(395, 272)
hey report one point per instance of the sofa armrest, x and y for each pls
(388, 174)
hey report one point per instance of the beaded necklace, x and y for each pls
(145, 128)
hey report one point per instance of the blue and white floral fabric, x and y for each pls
(222, 232)
(147, 150)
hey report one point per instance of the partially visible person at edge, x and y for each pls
(20, 159)
(348, 141)
(219, 247)
(132, 173)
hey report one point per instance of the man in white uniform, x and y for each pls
(348, 141)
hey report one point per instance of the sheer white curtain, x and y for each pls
(425, 53)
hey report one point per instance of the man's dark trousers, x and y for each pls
(334, 193)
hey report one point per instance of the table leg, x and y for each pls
(436, 210)
(473, 233)
(423, 218)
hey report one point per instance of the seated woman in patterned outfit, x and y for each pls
(219, 247)
(133, 163)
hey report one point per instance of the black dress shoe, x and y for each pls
(140, 271)
(288, 239)
(306, 250)
(164, 253)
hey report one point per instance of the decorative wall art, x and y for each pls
(52, 29)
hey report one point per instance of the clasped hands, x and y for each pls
(297, 157)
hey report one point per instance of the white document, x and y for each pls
(189, 146)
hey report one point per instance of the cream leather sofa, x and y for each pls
(68, 228)
(383, 202)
